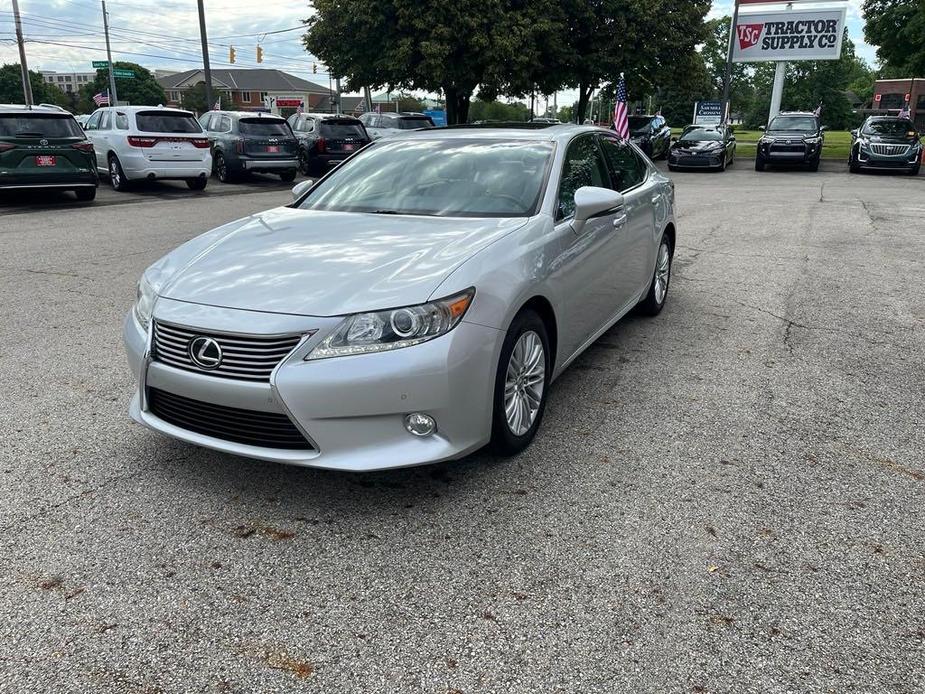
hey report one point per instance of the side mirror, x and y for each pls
(593, 202)
(732, 138)
(854, 133)
(760, 127)
(824, 128)
(674, 139)
(300, 188)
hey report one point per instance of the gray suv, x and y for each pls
(244, 142)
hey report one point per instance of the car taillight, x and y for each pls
(85, 146)
(239, 146)
(321, 144)
(5, 146)
(200, 142)
(135, 141)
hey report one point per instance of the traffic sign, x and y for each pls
(100, 64)
(124, 74)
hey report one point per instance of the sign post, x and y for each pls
(709, 113)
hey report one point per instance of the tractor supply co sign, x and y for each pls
(789, 35)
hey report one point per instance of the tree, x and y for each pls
(143, 90)
(42, 92)
(897, 28)
(452, 48)
(498, 111)
(194, 99)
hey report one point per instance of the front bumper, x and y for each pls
(869, 159)
(351, 409)
(790, 153)
(696, 161)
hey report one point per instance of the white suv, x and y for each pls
(149, 142)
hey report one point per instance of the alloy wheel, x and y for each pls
(114, 175)
(662, 272)
(524, 382)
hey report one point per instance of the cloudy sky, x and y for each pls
(66, 35)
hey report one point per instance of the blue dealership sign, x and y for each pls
(438, 117)
(708, 112)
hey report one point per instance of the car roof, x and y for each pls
(248, 114)
(887, 118)
(22, 109)
(523, 132)
(797, 113)
(136, 109)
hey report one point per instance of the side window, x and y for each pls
(204, 120)
(94, 121)
(121, 121)
(224, 125)
(308, 125)
(106, 120)
(626, 168)
(583, 166)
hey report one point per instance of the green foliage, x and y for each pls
(566, 114)
(897, 28)
(144, 90)
(42, 92)
(194, 99)
(498, 111)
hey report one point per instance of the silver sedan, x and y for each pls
(412, 306)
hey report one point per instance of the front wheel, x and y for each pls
(520, 385)
(654, 301)
(197, 183)
(759, 163)
(914, 171)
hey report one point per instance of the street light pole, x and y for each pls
(113, 97)
(26, 82)
(205, 55)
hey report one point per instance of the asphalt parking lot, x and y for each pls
(726, 498)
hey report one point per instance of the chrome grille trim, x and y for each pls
(889, 150)
(245, 357)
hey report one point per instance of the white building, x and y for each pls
(68, 81)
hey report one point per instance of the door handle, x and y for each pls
(656, 198)
(619, 221)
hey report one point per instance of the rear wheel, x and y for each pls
(520, 384)
(197, 183)
(117, 175)
(221, 168)
(303, 162)
(288, 176)
(86, 194)
(654, 301)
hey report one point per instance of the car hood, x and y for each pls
(319, 263)
(789, 134)
(696, 145)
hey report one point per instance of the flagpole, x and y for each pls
(727, 77)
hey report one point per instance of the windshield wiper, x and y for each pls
(387, 212)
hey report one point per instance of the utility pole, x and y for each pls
(336, 86)
(727, 77)
(368, 106)
(26, 82)
(205, 55)
(113, 97)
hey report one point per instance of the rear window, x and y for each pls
(415, 123)
(39, 125)
(341, 129)
(263, 126)
(166, 122)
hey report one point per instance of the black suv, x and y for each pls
(244, 142)
(44, 148)
(886, 143)
(651, 134)
(325, 140)
(793, 138)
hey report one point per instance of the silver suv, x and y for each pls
(387, 124)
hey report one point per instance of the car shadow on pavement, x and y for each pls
(39, 199)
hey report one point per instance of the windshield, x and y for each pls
(794, 123)
(414, 123)
(39, 125)
(166, 122)
(700, 134)
(335, 129)
(263, 126)
(444, 178)
(889, 127)
(639, 123)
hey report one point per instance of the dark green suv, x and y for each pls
(45, 148)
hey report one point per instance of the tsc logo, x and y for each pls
(748, 35)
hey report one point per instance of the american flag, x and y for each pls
(818, 111)
(904, 112)
(101, 98)
(301, 107)
(620, 112)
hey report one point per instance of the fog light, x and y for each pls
(420, 424)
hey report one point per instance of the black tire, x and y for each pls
(672, 167)
(288, 176)
(303, 162)
(221, 169)
(759, 163)
(914, 171)
(853, 165)
(722, 164)
(814, 165)
(116, 175)
(651, 305)
(197, 183)
(86, 194)
(504, 441)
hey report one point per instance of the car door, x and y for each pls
(103, 136)
(589, 261)
(90, 129)
(629, 175)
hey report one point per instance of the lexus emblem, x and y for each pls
(205, 352)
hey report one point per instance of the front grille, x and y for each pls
(245, 357)
(264, 429)
(890, 150)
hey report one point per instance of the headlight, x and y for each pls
(144, 305)
(380, 331)
(812, 140)
(863, 144)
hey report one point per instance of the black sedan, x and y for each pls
(703, 147)
(651, 134)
